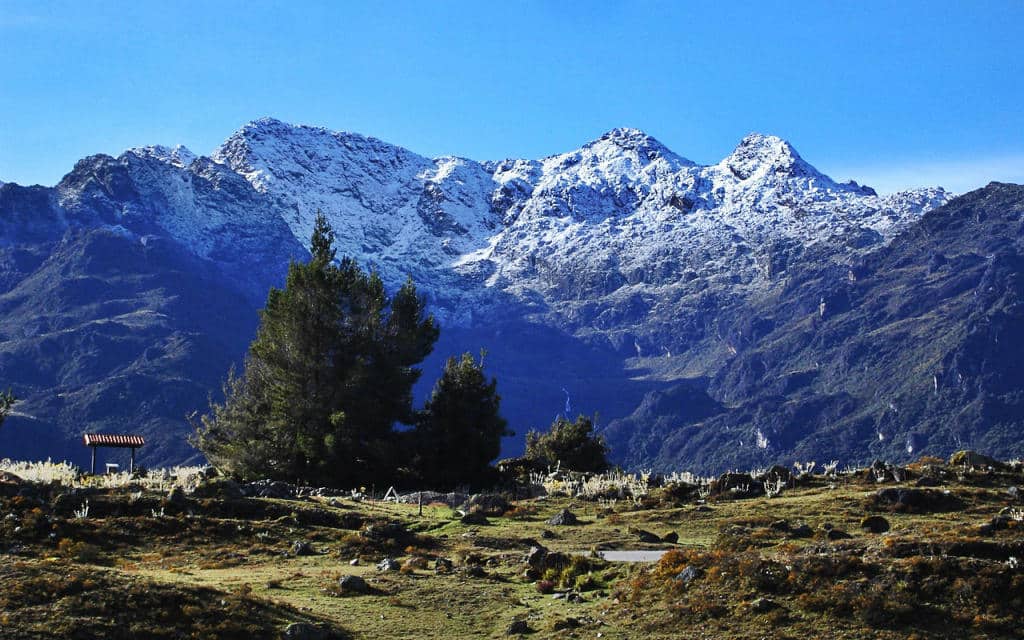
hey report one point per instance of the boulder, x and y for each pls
(973, 459)
(518, 627)
(302, 548)
(222, 488)
(802, 530)
(489, 504)
(689, 574)
(915, 500)
(563, 518)
(874, 524)
(837, 534)
(388, 564)
(671, 537)
(474, 518)
(353, 584)
(303, 631)
(176, 497)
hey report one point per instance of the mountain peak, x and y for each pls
(760, 153)
(178, 155)
(627, 140)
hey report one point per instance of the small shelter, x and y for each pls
(115, 440)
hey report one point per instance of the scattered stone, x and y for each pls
(475, 518)
(304, 631)
(176, 497)
(689, 574)
(782, 526)
(354, 562)
(443, 565)
(927, 481)
(874, 524)
(388, 564)
(453, 500)
(353, 584)
(916, 500)
(518, 627)
(644, 536)
(563, 518)
(568, 623)
(802, 530)
(269, 489)
(475, 571)
(490, 504)
(535, 557)
(836, 534)
(671, 537)
(302, 548)
(1013, 492)
(547, 534)
(384, 532)
(762, 605)
(222, 488)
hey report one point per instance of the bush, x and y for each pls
(571, 444)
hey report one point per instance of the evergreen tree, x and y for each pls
(573, 444)
(460, 429)
(329, 373)
(7, 401)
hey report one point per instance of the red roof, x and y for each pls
(113, 440)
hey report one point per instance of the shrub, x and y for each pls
(573, 445)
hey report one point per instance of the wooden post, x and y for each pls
(131, 463)
(93, 460)
(421, 502)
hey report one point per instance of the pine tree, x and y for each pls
(460, 429)
(328, 375)
(571, 444)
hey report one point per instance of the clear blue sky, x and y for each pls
(893, 94)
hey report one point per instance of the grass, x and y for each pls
(223, 568)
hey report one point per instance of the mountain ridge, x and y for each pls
(611, 271)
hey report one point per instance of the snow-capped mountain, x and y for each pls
(604, 273)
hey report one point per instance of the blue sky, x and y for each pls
(892, 94)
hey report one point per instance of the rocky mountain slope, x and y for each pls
(592, 278)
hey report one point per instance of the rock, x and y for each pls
(973, 459)
(176, 497)
(222, 488)
(353, 584)
(802, 530)
(388, 564)
(475, 571)
(548, 534)
(927, 481)
(568, 623)
(782, 526)
(303, 631)
(1000, 522)
(535, 557)
(384, 532)
(703, 508)
(916, 500)
(644, 536)
(269, 489)
(874, 524)
(474, 518)
(354, 562)
(778, 472)
(490, 504)
(671, 537)
(443, 565)
(836, 534)
(518, 627)
(689, 574)
(762, 605)
(302, 548)
(1014, 493)
(563, 518)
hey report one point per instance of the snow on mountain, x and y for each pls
(609, 239)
